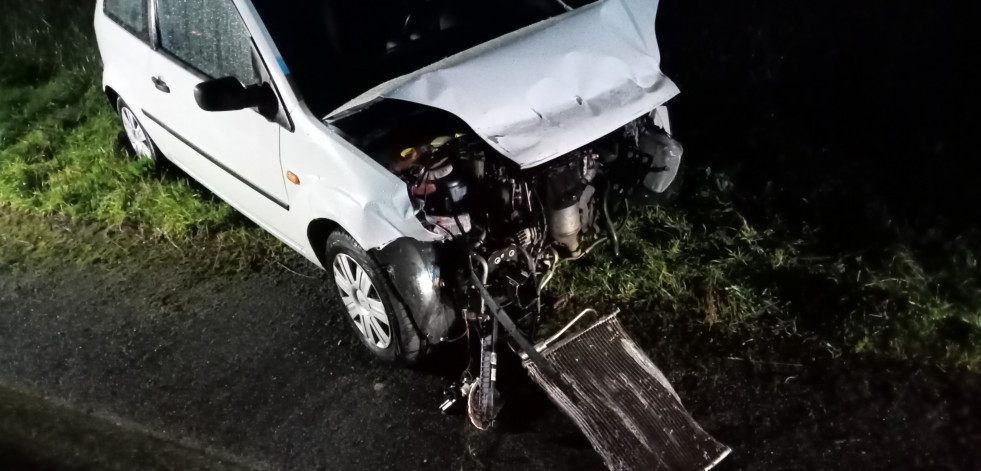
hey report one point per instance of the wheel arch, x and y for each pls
(112, 95)
(410, 269)
(317, 233)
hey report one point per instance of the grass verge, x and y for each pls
(702, 264)
(60, 143)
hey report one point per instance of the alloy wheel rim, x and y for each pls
(136, 134)
(362, 301)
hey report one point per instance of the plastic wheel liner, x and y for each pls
(623, 403)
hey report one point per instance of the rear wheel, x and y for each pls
(139, 141)
(371, 306)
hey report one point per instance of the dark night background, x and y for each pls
(847, 123)
(865, 109)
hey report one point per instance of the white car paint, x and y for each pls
(243, 158)
(338, 182)
(126, 62)
(586, 73)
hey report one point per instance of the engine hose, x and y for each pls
(483, 265)
(626, 214)
(544, 235)
(551, 270)
(557, 260)
(538, 292)
(609, 222)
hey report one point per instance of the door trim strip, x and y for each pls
(220, 165)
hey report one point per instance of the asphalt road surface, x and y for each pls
(249, 366)
(167, 365)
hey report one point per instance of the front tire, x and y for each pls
(372, 308)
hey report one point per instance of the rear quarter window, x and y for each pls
(130, 14)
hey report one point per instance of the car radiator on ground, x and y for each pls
(623, 403)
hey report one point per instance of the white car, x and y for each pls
(439, 157)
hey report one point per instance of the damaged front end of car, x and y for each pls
(518, 155)
(525, 150)
(515, 226)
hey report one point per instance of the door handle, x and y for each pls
(160, 84)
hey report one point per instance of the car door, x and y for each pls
(123, 31)
(234, 153)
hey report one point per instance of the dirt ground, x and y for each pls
(177, 366)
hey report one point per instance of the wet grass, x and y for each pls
(795, 259)
(762, 290)
(29, 241)
(61, 152)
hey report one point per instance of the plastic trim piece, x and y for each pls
(215, 161)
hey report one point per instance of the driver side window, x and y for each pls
(208, 35)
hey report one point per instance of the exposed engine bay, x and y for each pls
(517, 225)
(504, 230)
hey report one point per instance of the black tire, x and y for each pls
(152, 152)
(406, 346)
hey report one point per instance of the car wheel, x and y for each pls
(139, 141)
(373, 310)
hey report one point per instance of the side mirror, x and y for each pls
(228, 94)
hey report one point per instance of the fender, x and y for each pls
(342, 184)
(373, 224)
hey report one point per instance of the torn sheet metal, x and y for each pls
(549, 88)
(623, 403)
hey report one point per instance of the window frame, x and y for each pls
(283, 117)
(145, 36)
(204, 76)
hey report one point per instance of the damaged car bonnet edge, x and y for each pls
(549, 88)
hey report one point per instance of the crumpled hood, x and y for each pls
(550, 88)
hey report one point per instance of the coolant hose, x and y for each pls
(609, 221)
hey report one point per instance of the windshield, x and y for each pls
(337, 49)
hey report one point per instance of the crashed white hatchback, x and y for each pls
(438, 157)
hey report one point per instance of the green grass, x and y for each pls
(701, 266)
(60, 144)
